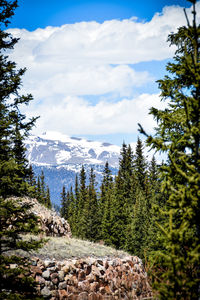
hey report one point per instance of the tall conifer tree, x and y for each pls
(81, 203)
(177, 134)
(91, 223)
(13, 126)
(64, 205)
(15, 216)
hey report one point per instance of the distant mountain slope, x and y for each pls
(55, 149)
(61, 158)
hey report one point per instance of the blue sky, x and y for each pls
(32, 14)
(92, 66)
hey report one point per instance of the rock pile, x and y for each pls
(91, 279)
(50, 222)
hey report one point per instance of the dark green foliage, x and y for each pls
(47, 198)
(42, 193)
(13, 127)
(16, 220)
(107, 220)
(64, 204)
(122, 196)
(140, 164)
(90, 217)
(38, 190)
(82, 199)
(177, 270)
(73, 209)
(32, 183)
(138, 211)
(138, 226)
(15, 174)
(121, 213)
(105, 205)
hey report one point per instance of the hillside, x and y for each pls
(69, 268)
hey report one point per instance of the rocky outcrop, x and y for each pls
(91, 278)
(51, 223)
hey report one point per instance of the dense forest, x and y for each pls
(148, 209)
(123, 213)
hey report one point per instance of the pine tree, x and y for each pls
(64, 208)
(32, 183)
(38, 190)
(138, 226)
(123, 197)
(81, 203)
(16, 220)
(105, 190)
(13, 126)
(107, 216)
(42, 191)
(177, 270)
(72, 211)
(91, 212)
(140, 164)
(42, 188)
(48, 198)
(15, 217)
(74, 221)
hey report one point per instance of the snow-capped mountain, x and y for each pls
(55, 149)
(61, 158)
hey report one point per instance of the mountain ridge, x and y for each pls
(61, 158)
(55, 149)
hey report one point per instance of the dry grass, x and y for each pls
(61, 248)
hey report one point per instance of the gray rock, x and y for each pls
(49, 263)
(83, 296)
(46, 274)
(61, 275)
(62, 285)
(45, 292)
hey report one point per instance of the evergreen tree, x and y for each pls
(72, 217)
(42, 188)
(13, 127)
(118, 214)
(64, 204)
(74, 221)
(138, 226)
(105, 189)
(153, 172)
(38, 190)
(32, 183)
(107, 216)
(48, 198)
(42, 191)
(90, 217)
(123, 197)
(81, 203)
(15, 218)
(177, 270)
(140, 164)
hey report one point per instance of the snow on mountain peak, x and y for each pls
(54, 149)
(54, 136)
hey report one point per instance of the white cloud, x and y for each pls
(74, 115)
(87, 80)
(66, 64)
(112, 42)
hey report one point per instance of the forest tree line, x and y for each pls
(123, 212)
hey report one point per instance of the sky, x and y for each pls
(92, 66)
